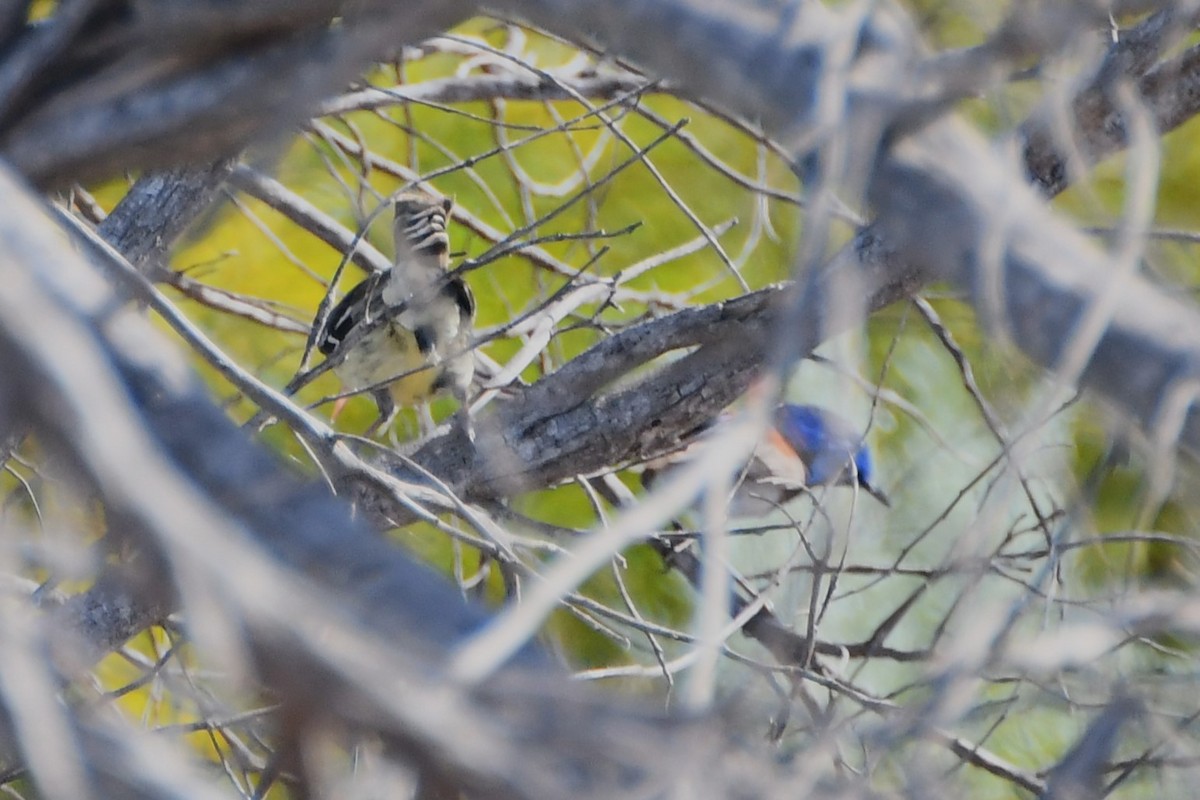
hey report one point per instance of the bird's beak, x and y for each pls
(878, 494)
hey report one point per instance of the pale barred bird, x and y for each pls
(405, 334)
(806, 446)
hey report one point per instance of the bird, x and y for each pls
(805, 446)
(832, 449)
(405, 334)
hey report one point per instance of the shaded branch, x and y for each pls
(157, 209)
(178, 82)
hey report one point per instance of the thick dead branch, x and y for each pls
(157, 209)
(160, 84)
(1170, 89)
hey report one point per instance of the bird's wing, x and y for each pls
(361, 303)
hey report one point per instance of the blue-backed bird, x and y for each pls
(805, 446)
(405, 334)
(832, 449)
